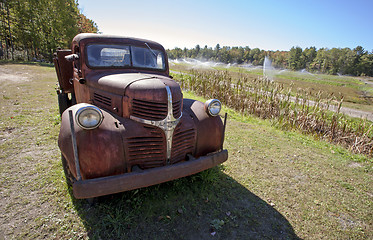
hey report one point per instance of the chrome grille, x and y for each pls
(150, 151)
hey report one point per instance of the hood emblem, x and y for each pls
(168, 124)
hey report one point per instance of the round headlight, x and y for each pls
(213, 107)
(89, 117)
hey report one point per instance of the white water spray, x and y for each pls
(268, 70)
(198, 64)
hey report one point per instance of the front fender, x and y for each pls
(209, 129)
(100, 151)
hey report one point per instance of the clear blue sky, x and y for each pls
(266, 24)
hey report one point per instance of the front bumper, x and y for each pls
(119, 183)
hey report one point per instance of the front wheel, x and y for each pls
(70, 179)
(63, 102)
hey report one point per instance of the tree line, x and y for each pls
(345, 61)
(34, 29)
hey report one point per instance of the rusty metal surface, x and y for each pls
(209, 129)
(125, 182)
(100, 151)
(124, 143)
(82, 91)
(166, 121)
(147, 126)
(64, 70)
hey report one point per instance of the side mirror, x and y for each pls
(72, 57)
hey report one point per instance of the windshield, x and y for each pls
(104, 55)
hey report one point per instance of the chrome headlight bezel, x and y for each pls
(213, 107)
(83, 112)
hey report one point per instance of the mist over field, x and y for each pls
(346, 61)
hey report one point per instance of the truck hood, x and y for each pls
(118, 83)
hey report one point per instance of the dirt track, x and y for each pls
(28, 151)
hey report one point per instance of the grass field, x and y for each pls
(275, 185)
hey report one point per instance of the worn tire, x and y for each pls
(63, 102)
(70, 179)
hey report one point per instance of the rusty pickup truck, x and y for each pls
(125, 124)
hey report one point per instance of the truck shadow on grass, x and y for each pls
(208, 205)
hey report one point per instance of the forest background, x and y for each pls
(343, 61)
(32, 30)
